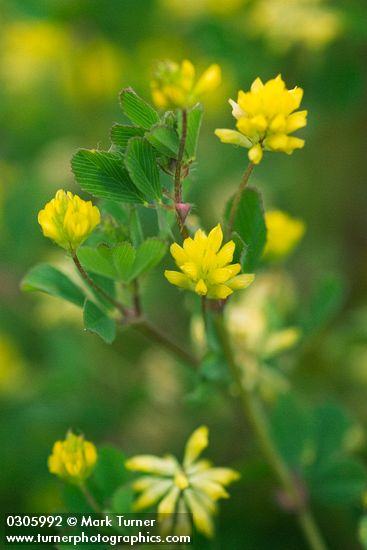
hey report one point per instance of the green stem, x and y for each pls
(154, 334)
(255, 415)
(96, 287)
(237, 198)
(178, 175)
(90, 499)
(135, 320)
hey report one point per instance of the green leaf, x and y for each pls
(95, 320)
(122, 500)
(122, 262)
(324, 304)
(339, 481)
(108, 285)
(194, 118)
(75, 500)
(137, 110)
(331, 424)
(110, 472)
(165, 140)
(148, 255)
(45, 278)
(123, 257)
(291, 427)
(121, 133)
(98, 260)
(103, 175)
(136, 228)
(166, 220)
(240, 250)
(250, 226)
(142, 166)
(213, 367)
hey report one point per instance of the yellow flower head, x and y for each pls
(73, 459)
(174, 85)
(283, 234)
(68, 220)
(206, 267)
(191, 487)
(265, 116)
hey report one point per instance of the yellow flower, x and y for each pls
(73, 459)
(191, 487)
(265, 116)
(174, 85)
(283, 234)
(286, 23)
(68, 220)
(205, 266)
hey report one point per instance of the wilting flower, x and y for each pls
(283, 234)
(205, 266)
(174, 85)
(68, 220)
(265, 116)
(191, 487)
(73, 459)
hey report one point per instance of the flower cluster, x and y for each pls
(283, 234)
(68, 220)
(191, 487)
(73, 459)
(265, 116)
(174, 85)
(206, 267)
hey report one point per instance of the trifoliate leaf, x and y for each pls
(148, 255)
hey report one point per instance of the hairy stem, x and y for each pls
(238, 196)
(178, 175)
(256, 417)
(96, 287)
(136, 321)
(154, 334)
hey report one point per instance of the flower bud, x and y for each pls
(173, 85)
(68, 220)
(73, 459)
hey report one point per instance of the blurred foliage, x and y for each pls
(61, 67)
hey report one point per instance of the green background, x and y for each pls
(62, 64)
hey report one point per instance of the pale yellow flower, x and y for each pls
(257, 337)
(175, 86)
(283, 234)
(73, 459)
(68, 220)
(205, 266)
(285, 23)
(191, 487)
(266, 115)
